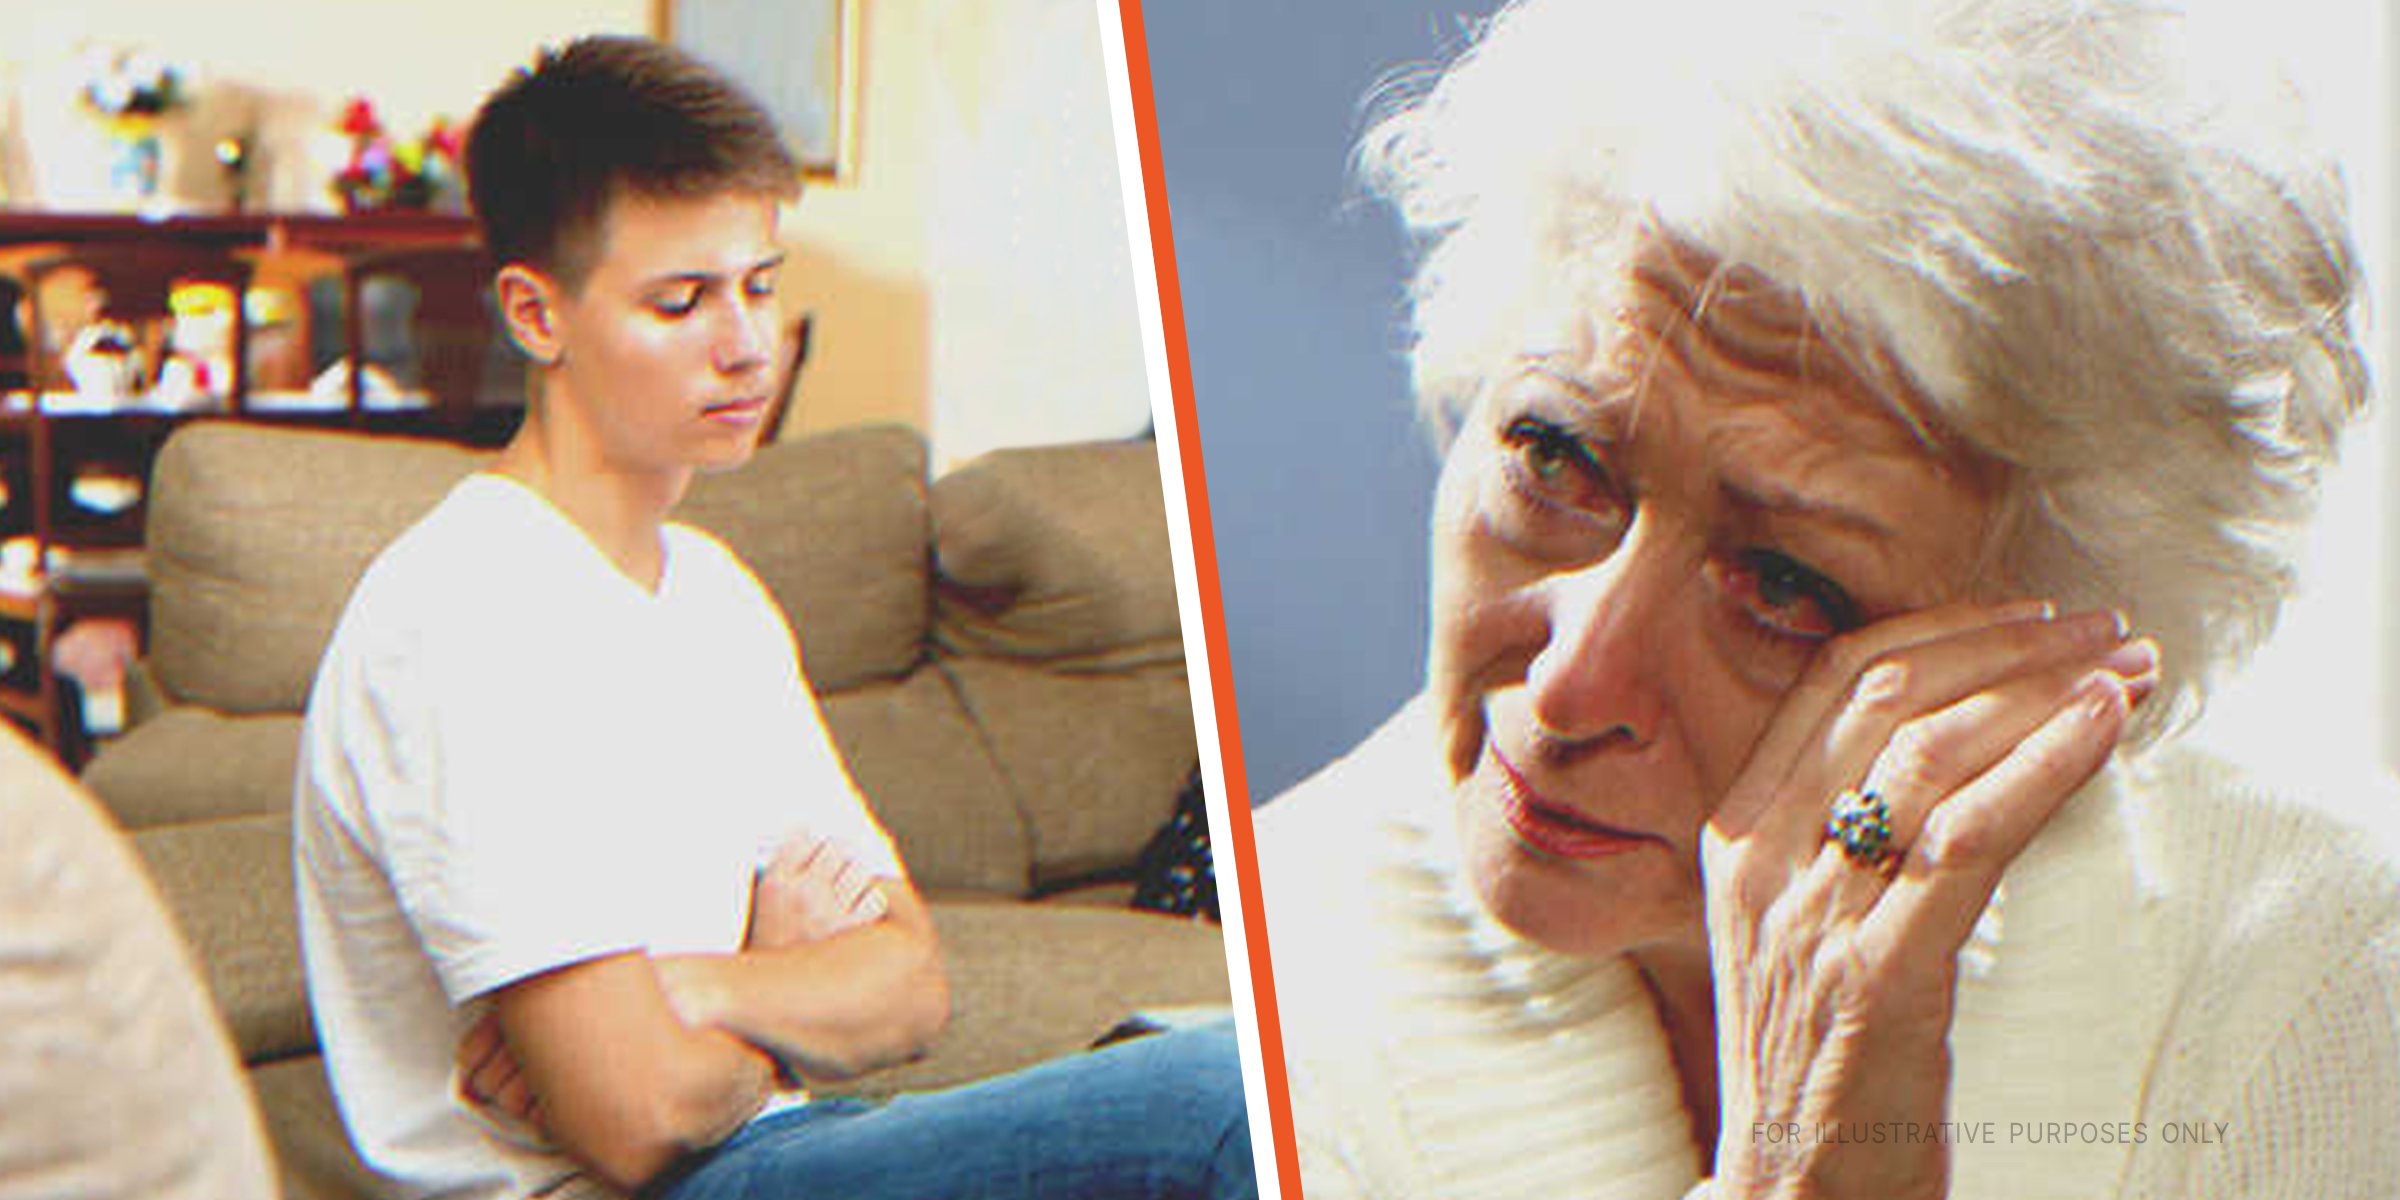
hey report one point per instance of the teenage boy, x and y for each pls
(586, 894)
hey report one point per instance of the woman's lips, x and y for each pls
(1554, 829)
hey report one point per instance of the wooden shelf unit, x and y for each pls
(49, 438)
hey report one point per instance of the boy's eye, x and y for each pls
(1786, 598)
(678, 303)
(760, 286)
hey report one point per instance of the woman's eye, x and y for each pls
(1559, 467)
(1786, 598)
(759, 287)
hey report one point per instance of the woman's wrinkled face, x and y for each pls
(1644, 533)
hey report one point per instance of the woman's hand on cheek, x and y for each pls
(1959, 730)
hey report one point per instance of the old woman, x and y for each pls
(1871, 427)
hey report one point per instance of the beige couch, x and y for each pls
(998, 655)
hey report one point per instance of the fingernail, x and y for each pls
(2028, 610)
(2095, 628)
(2132, 659)
(2124, 626)
(2096, 696)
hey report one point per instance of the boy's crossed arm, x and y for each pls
(839, 975)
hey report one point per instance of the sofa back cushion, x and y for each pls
(1057, 622)
(1058, 555)
(927, 771)
(836, 526)
(256, 536)
(1094, 758)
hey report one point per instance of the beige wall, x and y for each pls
(1018, 337)
(974, 277)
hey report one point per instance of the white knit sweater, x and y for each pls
(2188, 989)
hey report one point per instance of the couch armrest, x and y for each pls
(229, 884)
(188, 763)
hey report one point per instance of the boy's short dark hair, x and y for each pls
(604, 117)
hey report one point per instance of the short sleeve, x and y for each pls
(828, 800)
(509, 809)
(803, 781)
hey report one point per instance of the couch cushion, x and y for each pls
(229, 884)
(257, 535)
(835, 525)
(192, 764)
(311, 1147)
(1030, 982)
(930, 779)
(1095, 760)
(115, 1079)
(1057, 553)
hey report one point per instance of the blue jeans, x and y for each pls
(1159, 1116)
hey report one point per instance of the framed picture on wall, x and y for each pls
(799, 57)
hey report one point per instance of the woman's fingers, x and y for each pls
(1926, 758)
(1828, 683)
(1947, 874)
(1792, 781)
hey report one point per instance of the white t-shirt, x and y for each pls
(515, 759)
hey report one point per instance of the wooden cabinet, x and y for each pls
(124, 329)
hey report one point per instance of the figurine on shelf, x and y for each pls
(104, 363)
(130, 91)
(197, 372)
(95, 654)
(417, 175)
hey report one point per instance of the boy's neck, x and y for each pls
(619, 508)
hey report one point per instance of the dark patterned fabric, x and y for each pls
(1177, 874)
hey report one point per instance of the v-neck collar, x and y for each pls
(589, 548)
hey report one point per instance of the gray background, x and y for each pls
(1319, 479)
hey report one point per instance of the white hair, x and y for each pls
(2088, 239)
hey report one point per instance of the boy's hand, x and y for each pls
(810, 891)
(491, 1083)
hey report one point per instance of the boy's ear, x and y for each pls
(529, 306)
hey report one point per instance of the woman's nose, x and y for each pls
(1595, 680)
